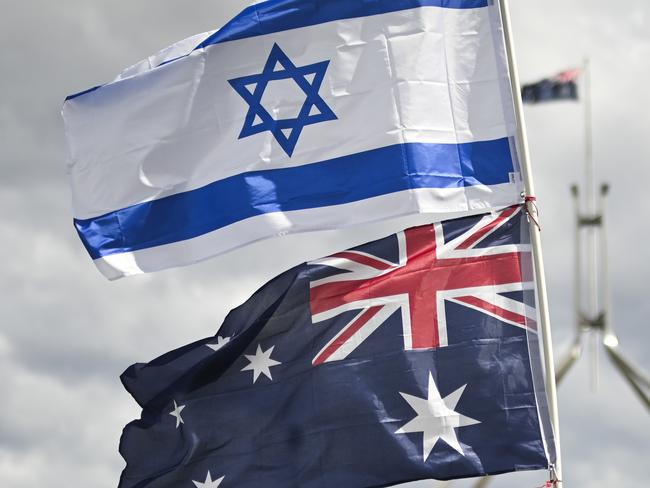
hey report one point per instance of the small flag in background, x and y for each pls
(411, 357)
(563, 86)
(297, 115)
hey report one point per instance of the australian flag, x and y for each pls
(563, 86)
(411, 357)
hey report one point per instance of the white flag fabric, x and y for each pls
(297, 115)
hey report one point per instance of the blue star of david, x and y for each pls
(286, 131)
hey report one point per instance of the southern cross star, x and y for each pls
(177, 413)
(221, 341)
(285, 130)
(436, 418)
(209, 482)
(261, 363)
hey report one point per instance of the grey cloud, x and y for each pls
(66, 334)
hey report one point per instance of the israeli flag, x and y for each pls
(297, 115)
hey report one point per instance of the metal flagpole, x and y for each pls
(524, 154)
(593, 231)
(589, 148)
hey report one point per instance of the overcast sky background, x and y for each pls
(66, 333)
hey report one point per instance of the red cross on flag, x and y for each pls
(431, 270)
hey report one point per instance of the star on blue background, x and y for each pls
(279, 67)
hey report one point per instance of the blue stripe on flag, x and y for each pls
(280, 15)
(337, 181)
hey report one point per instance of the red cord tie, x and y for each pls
(530, 201)
(554, 482)
(550, 484)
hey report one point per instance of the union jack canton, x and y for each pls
(432, 267)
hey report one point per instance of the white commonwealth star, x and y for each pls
(261, 363)
(209, 482)
(177, 413)
(221, 341)
(436, 418)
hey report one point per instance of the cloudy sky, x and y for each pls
(66, 333)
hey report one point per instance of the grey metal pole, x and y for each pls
(577, 243)
(630, 375)
(573, 355)
(604, 260)
(593, 304)
(590, 180)
(524, 154)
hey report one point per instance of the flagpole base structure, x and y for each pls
(597, 320)
(637, 381)
(524, 153)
